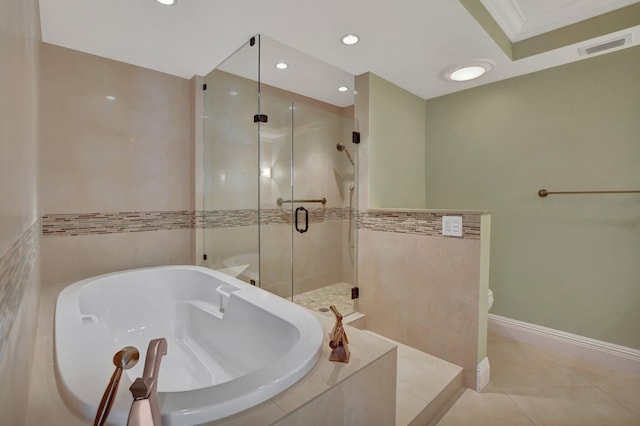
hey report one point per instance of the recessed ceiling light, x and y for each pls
(110, 98)
(167, 2)
(350, 39)
(343, 89)
(233, 93)
(468, 70)
(282, 66)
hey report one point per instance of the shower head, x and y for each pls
(340, 147)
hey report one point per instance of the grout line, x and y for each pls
(516, 404)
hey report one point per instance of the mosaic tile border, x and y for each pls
(232, 218)
(75, 224)
(114, 223)
(15, 268)
(420, 223)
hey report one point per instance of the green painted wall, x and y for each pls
(569, 262)
(396, 146)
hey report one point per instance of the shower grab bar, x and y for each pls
(543, 192)
(281, 201)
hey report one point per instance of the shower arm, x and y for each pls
(349, 157)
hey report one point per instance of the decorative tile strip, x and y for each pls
(421, 223)
(112, 223)
(229, 218)
(248, 217)
(15, 268)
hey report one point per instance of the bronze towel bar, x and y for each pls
(544, 192)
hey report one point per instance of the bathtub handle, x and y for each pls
(306, 220)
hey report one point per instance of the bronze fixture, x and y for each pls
(145, 410)
(543, 192)
(124, 359)
(338, 341)
(280, 201)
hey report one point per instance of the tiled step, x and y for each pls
(426, 386)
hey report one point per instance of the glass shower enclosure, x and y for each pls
(279, 165)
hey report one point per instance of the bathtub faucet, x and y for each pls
(145, 410)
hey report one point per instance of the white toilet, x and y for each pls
(490, 301)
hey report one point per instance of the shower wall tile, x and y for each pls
(268, 216)
(276, 251)
(317, 256)
(230, 150)
(222, 243)
(231, 146)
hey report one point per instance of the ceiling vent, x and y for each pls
(601, 47)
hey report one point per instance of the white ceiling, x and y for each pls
(408, 42)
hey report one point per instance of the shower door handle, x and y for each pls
(306, 220)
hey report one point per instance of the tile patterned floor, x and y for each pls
(320, 299)
(532, 386)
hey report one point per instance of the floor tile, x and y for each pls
(519, 364)
(597, 374)
(491, 407)
(530, 385)
(571, 405)
(627, 395)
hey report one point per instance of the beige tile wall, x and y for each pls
(423, 291)
(129, 154)
(69, 259)
(100, 155)
(19, 285)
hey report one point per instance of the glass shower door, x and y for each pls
(276, 149)
(279, 187)
(324, 194)
(307, 202)
(230, 166)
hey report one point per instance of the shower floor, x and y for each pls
(320, 299)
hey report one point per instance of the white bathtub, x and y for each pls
(230, 345)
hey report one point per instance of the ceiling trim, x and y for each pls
(508, 15)
(489, 24)
(616, 20)
(520, 21)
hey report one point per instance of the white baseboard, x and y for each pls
(607, 354)
(483, 374)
